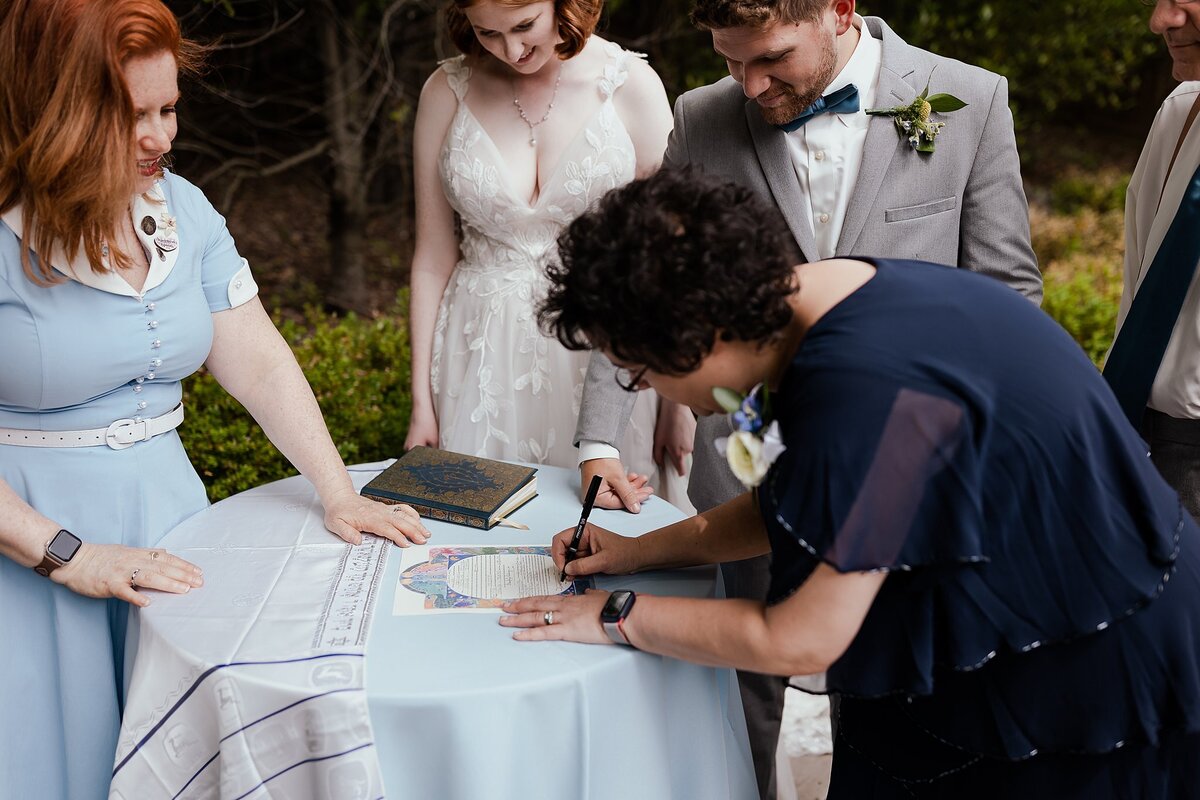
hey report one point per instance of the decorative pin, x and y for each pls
(149, 226)
(166, 243)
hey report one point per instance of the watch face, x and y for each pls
(63, 546)
(617, 605)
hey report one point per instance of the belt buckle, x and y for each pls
(110, 435)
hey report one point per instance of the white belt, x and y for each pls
(119, 435)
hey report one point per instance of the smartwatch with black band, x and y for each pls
(615, 610)
(59, 550)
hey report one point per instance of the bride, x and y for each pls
(525, 130)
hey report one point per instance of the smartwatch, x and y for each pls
(615, 610)
(59, 550)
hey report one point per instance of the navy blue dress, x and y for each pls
(1038, 634)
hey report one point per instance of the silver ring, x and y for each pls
(548, 618)
(154, 554)
(133, 577)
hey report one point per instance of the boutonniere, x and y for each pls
(913, 122)
(754, 446)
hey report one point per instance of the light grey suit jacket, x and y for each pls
(962, 205)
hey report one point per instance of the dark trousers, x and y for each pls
(762, 695)
(1175, 450)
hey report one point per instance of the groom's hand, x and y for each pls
(619, 488)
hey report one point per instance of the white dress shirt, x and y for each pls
(827, 151)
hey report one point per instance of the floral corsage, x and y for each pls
(754, 446)
(913, 122)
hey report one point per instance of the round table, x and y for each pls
(287, 675)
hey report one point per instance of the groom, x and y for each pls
(848, 184)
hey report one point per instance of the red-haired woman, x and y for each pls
(519, 135)
(117, 280)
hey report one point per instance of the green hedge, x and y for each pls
(1084, 301)
(360, 372)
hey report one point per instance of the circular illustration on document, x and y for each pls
(469, 577)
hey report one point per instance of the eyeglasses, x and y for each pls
(630, 381)
(1153, 3)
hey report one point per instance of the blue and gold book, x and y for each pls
(453, 487)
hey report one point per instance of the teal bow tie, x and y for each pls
(843, 101)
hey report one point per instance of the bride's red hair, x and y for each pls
(67, 149)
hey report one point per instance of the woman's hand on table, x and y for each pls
(113, 570)
(349, 515)
(600, 551)
(574, 618)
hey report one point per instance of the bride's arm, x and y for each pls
(643, 108)
(435, 253)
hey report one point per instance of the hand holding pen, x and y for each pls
(588, 501)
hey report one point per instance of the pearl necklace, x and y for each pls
(546, 116)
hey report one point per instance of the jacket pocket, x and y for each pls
(923, 210)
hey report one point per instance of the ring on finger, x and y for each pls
(133, 577)
(154, 554)
(548, 618)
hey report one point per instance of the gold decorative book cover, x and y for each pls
(453, 487)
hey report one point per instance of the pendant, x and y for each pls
(532, 142)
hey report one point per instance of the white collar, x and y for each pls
(863, 67)
(155, 228)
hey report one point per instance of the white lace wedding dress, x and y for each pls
(502, 389)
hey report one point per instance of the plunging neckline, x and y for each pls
(503, 164)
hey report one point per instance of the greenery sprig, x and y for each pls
(913, 122)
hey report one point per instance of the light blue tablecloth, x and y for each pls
(461, 711)
(254, 686)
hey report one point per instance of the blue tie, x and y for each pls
(843, 101)
(1137, 353)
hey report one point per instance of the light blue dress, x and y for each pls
(78, 356)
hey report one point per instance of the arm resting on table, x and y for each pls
(801, 635)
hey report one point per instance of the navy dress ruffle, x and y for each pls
(1044, 586)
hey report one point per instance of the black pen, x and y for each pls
(588, 501)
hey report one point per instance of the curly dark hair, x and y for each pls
(664, 265)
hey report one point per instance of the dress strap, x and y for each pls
(616, 68)
(457, 75)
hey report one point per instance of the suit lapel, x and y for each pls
(883, 142)
(1173, 190)
(775, 158)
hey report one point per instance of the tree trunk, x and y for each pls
(344, 285)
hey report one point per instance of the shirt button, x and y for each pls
(137, 389)
(141, 405)
(151, 306)
(156, 362)
(153, 324)
(140, 378)
(819, 155)
(237, 284)
(157, 343)
(150, 376)
(823, 218)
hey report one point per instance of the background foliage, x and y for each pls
(300, 133)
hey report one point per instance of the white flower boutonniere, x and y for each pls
(913, 121)
(754, 446)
